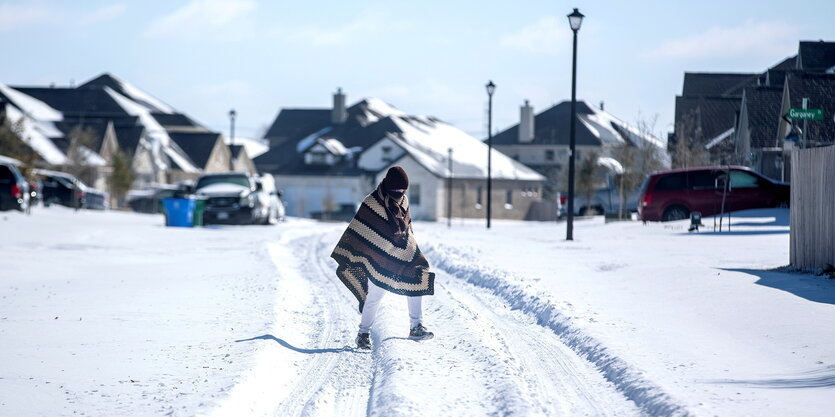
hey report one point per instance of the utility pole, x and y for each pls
(449, 192)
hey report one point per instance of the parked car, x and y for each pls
(67, 190)
(150, 200)
(269, 198)
(93, 198)
(231, 198)
(14, 190)
(673, 195)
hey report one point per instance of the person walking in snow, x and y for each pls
(378, 253)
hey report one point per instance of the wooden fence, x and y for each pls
(813, 207)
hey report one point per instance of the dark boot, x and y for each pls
(363, 341)
(420, 333)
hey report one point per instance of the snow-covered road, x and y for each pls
(107, 313)
(485, 360)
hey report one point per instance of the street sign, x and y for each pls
(805, 114)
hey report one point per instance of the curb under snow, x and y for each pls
(651, 399)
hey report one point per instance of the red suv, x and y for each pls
(672, 195)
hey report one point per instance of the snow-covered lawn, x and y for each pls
(106, 313)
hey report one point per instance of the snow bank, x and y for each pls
(650, 398)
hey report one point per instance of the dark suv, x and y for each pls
(672, 195)
(14, 190)
(67, 190)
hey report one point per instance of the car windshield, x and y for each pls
(223, 179)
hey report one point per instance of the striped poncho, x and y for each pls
(372, 249)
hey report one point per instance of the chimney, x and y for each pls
(526, 127)
(339, 114)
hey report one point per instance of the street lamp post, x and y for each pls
(575, 19)
(232, 114)
(490, 89)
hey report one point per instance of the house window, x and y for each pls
(317, 158)
(386, 154)
(478, 192)
(508, 199)
(414, 194)
(549, 155)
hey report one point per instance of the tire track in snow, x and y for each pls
(333, 383)
(303, 365)
(559, 382)
(651, 399)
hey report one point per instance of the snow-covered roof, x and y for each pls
(333, 146)
(11, 161)
(37, 135)
(602, 124)
(160, 141)
(134, 93)
(32, 107)
(253, 146)
(719, 138)
(310, 140)
(428, 141)
(611, 164)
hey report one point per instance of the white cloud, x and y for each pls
(218, 19)
(752, 38)
(20, 15)
(546, 36)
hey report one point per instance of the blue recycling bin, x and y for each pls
(179, 212)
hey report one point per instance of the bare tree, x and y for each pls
(587, 176)
(14, 145)
(688, 151)
(122, 177)
(81, 142)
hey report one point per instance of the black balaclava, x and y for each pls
(396, 179)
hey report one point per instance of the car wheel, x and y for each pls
(674, 213)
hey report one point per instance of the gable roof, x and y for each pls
(293, 124)
(369, 121)
(235, 150)
(594, 127)
(128, 90)
(197, 146)
(816, 55)
(762, 104)
(74, 102)
(708, 116)
(713, 83)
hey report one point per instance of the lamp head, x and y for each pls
(575, 19)
(490, 88)
(232, 113)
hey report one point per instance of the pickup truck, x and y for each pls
(232, 198)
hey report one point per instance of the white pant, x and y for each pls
(372, 302)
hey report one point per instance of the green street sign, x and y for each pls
(805, 114)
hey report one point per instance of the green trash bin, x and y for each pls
(199, 209)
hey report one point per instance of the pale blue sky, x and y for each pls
(425, 57)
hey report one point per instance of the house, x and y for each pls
(541, 141)
(113, 115)
(756, 139)
(205, 150)
(326, 159)
(706, 112)
(735, 117)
